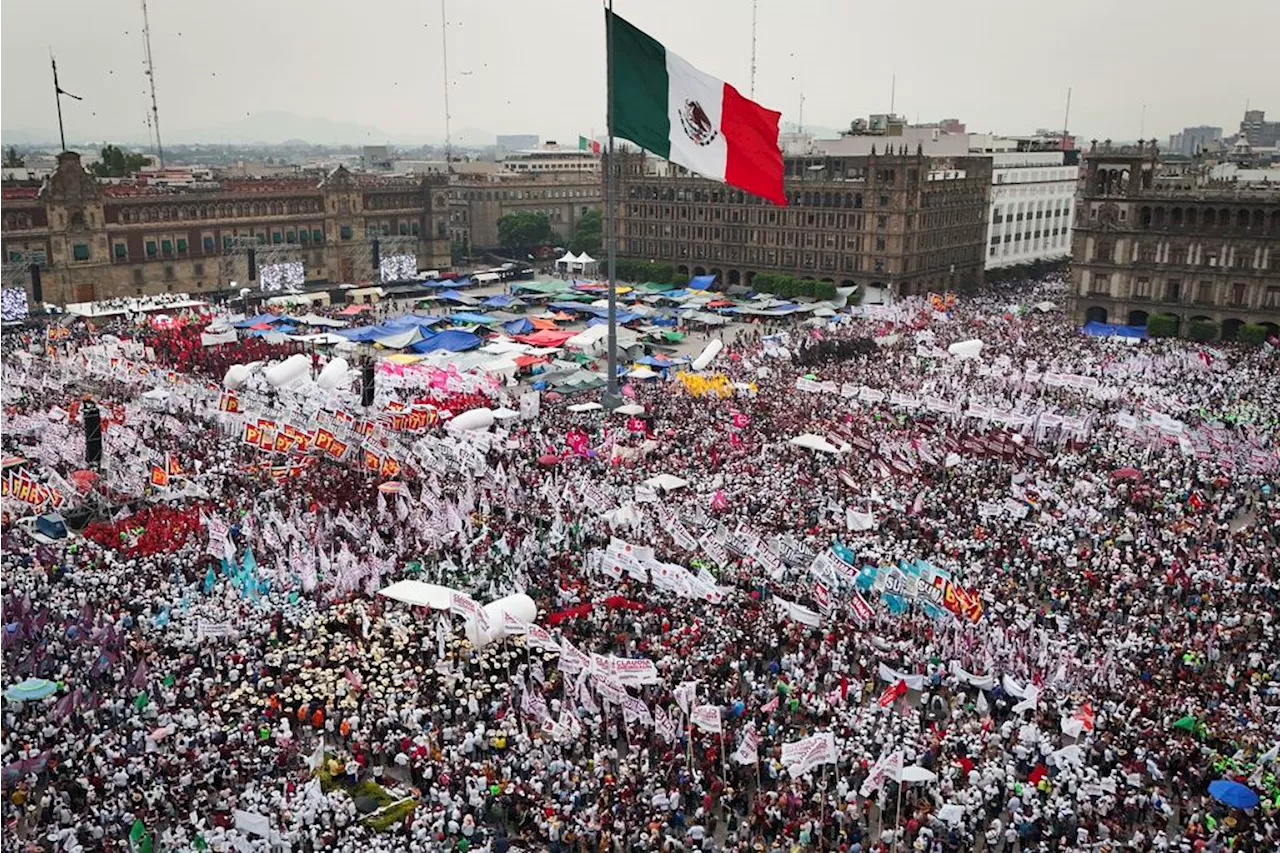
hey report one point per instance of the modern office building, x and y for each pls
(1260, 132)
(98, 240)
(1032, 202)
(1175, 241)
(1193, 140)
(893, 218)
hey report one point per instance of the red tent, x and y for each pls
(545, 338)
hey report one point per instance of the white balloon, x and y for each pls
(474, 419)
(334, 374)
(709, 353)
(238, 374)
(291, 369)
(519, 605)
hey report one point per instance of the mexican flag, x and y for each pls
(665, 105)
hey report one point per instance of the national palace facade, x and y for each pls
(97, 240)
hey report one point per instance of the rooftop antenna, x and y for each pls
(1066, 119)
(444, 53)
(151, 78)
(58, 92)
(754, 9)
(1142, 127)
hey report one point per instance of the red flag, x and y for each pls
(1085, 716)
(1196, 502)
(892, 692)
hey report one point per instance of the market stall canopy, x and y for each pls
(701, 282)
(586, 407)
(317, 320)
(630, 409)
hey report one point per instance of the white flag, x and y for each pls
(684, 694)
(888, 767)
(663, 725)
(706, 718)
(748, 752)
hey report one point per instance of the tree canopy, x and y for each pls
(524, 229)
(587, 236)
(12, 160)
(117, 164)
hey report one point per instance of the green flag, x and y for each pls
(136, 833)
(141, 701)
(200, 843)
(582, 143)
(144, 846)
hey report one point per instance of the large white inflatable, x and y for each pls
(709, 353)
(335, 374)
(238, 374)
(474, 419)
(290, 370)
(966, 349)
(519, 605)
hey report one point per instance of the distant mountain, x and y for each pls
(275, 127)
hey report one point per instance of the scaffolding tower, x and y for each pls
(359, 254)
(233, 263)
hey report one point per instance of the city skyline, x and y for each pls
(295, 63)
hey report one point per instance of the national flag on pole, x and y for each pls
(664, 104)
(892, 692)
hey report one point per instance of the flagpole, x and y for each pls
(57, 96)
(611, 398)
(897, 818)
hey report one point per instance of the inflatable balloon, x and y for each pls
(335, 374)
(238, 374)
(474, 419)
(709, 353)
(290, 370)
(519, 605)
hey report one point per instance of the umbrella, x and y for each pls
(548, 459)
(1232, 793)
(31, 689)
(1128, 473)
(918, 774)
(365, 805)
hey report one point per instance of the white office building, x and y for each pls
(1031, 208)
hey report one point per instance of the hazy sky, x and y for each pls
(537, 66)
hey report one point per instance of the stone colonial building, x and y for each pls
(904, 222)
(1151, 239)
(98, 240)
(478, 201)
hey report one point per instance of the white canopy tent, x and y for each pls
(666, 482)
(814, 442)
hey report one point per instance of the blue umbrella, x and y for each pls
(38, 688)
(1232, 793)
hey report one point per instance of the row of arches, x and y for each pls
(222, 210)
(1242, 219)
(1137, 317)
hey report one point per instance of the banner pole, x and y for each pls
(612, 398)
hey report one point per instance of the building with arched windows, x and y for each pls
(98, 240)
(1153, 239)
(894, 219)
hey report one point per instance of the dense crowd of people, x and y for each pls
(225, 675)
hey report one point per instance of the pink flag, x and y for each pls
(770, 706)
(718, 501)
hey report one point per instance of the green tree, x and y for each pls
(458, 250)
(12, 160)
(587, 235)
(1251, 334)
(1202, 330)
(117, 164)
(1162, 325)
(524, 229)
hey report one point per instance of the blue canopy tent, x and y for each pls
(1107, 330)
(454, 296)
(450, 340)
(465, 281)
(477, 319)
(701, 282)
(261, 318)
(624, 317)
(499, 300)
(522, 326)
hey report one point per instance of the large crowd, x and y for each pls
(226, 676)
